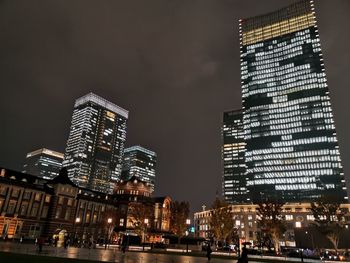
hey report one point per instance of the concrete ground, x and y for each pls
(111, 255)
(115, 255)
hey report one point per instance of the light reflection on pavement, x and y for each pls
(111, 255)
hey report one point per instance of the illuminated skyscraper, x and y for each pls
(43, 163)
(95, 146)
(292, 150)
(234, 184)
(141, 163)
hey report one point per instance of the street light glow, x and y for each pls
(77, 220)
(109, 220)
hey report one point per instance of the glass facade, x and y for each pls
(234, 185)
(95, 145)
(141, 163)
(292, 150)
(43, 163)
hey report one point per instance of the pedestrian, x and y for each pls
(40, 244)
(119, 243)
(244, 256)
(209, 251)
(65, 242)
(55, 241)
(49, 241)
(91, 242)
(123, 247)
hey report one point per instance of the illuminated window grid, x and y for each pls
(278, 29)
(282, 115)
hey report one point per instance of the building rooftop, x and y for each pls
(141, 149)
(291, 11)
(91, 97)
(33, 182)
(47, 152)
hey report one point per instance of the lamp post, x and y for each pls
(145, 229)
(77, 221)
(188, 222)
(238, 226)
(107, 241)
(312, 239)
(144, 232)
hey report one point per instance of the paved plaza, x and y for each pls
(109, 255)
(115, 255)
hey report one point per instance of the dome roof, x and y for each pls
(133, 184)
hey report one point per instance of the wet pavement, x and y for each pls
(115, 255)
(108, 255)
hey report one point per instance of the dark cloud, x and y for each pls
(173, 64)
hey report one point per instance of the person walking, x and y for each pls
(209, 251)
(123, 247)
(244, 256)
(65, 242)
(55, 241)
(40, 244)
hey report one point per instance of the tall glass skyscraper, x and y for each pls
(292, 150)
(95, 145)
(43, 163)
(234, 184)
(141, 163)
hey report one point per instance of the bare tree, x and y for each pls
(264, 240)
(179, 213)
(141, 217)
(329, 219)
(272, 221)
(221, 222)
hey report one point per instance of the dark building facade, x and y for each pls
(292, 151)
(95, 146)
(43, 163)
(140, 162)
(32, 207)
(234, 185)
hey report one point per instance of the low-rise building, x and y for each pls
(298, 218)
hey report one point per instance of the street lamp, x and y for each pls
(108, 235)
(188, 222)
(238, 226)
(312, 239)
(77, 221)
(144, 232)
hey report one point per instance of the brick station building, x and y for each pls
(32, 207)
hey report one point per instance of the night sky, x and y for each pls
(173, 64)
